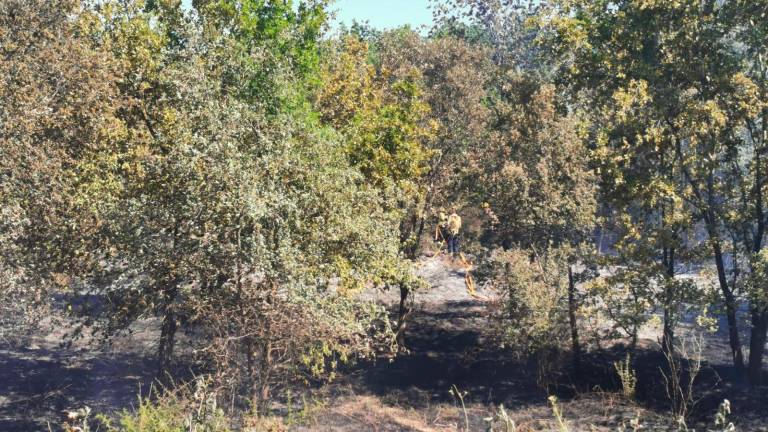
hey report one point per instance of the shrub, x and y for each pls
(190, 407)
(627, 376)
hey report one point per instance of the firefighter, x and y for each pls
(453, 228)
(441, 230)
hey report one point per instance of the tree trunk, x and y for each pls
(633, 338)
(668, 338)
(262, 388)
(730, 308)
(757, 344)
(266, 370)
(758, 308)
(169, 325)
(402, 315)
(422, 221)
(572, 307)
(167, 337)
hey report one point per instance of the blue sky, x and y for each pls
(383, 13)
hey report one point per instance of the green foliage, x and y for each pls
(756, 284)
(227, 170)
(623, 300)
(56, 111)
(267, 40)
(536, 175)
(201, 198)
(386, 123)
(674, 96)
(627, 376)
(192, 406)
(455, 78)
(532, 311)
(385, 118)
(166, 416)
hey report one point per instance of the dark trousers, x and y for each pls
(453, 243)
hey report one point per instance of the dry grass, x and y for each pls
(593, 412)
(371, 413)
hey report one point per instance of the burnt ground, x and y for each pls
(447, 347)
(40, 381)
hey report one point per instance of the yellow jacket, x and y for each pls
(442, 219)
(454, 223)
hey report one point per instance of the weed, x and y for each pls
(721, 418)
(307, 410)
(454, 391)
(562, 426)
(680, 378)
(627, 376)
(503, 418)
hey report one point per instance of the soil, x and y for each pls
(41, 381)
(447, 350)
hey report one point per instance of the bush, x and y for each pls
(532, 308)
(168, 416)
(191, 407)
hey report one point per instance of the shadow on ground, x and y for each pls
(447, 347)
(37, 386)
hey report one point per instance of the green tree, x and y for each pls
(535, 173)
(386, 122)
(540, 195)
(268, 39)
(697, 100)
(137, 187)
(59, 107)
(456, 78)
(644, 207)
(747, 159)
(213, 206)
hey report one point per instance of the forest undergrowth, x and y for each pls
(231, 214)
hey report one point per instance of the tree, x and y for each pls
(269, 39)
(456, 78)
(138, 188)
(751, 109)
(698, 98)
(532, 312)
(59, 107)
(500, 24)
(388, 130)
(541, 194)
(651, 219)
(535, 172)
(213, 205)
